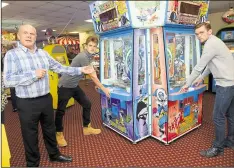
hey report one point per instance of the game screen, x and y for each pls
(108, 16)
(117, 61)
(187, 8)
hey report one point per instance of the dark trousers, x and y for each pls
(64, 94)
(31, 111)
(13, 98)
(224, 109)
(2, 117)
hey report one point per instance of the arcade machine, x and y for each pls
(58, 52)
(175, 50)
(148, 49)
(227, 35)
(123, 69)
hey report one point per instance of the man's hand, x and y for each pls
(107, 92)
(87, 69)
(184, 89)
(96, 88)
(40, 73)
(198, 82)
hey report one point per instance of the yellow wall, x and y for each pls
(216, 21)
(84, 36)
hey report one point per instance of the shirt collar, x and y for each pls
(26, 49)
(88, 54)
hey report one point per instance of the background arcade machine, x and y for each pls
(58, 52)
(174, 52)
(227, 35)
(123, 69)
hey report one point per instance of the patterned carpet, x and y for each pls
(111, 150)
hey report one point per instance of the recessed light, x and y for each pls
(45, 30)
(4, 4)
(89, 20)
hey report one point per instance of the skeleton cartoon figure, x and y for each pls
(142, 113)
(161, 101)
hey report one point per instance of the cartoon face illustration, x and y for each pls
(161, 101)
(142, 113)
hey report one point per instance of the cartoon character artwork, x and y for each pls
(196, 112)
(179, 69)
(127, 53)
(121, 117)
(122, 11)
(141, 61)
(161, 101)
(121, 58)
(96, 17)
(143, 90)
(120, 67)
(142, 113)
(157, 68)
(108, 116)
(160, 113)
(147, 12)
(203, 12)
(179, 64)
(174, 12)
(159, 124)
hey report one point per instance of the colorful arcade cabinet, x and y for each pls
(147, 50)
(123, 69)
(175, 50)
(58, 52)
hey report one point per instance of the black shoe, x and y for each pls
(61, 158)
(228, 146)
(211, 152)
(15, 110)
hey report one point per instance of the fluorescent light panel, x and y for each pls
(4, 4)
(74, 32)
(89, 20)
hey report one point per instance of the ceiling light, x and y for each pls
(45, 30)
(4, 4)
(89, 20)
(74, 32)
